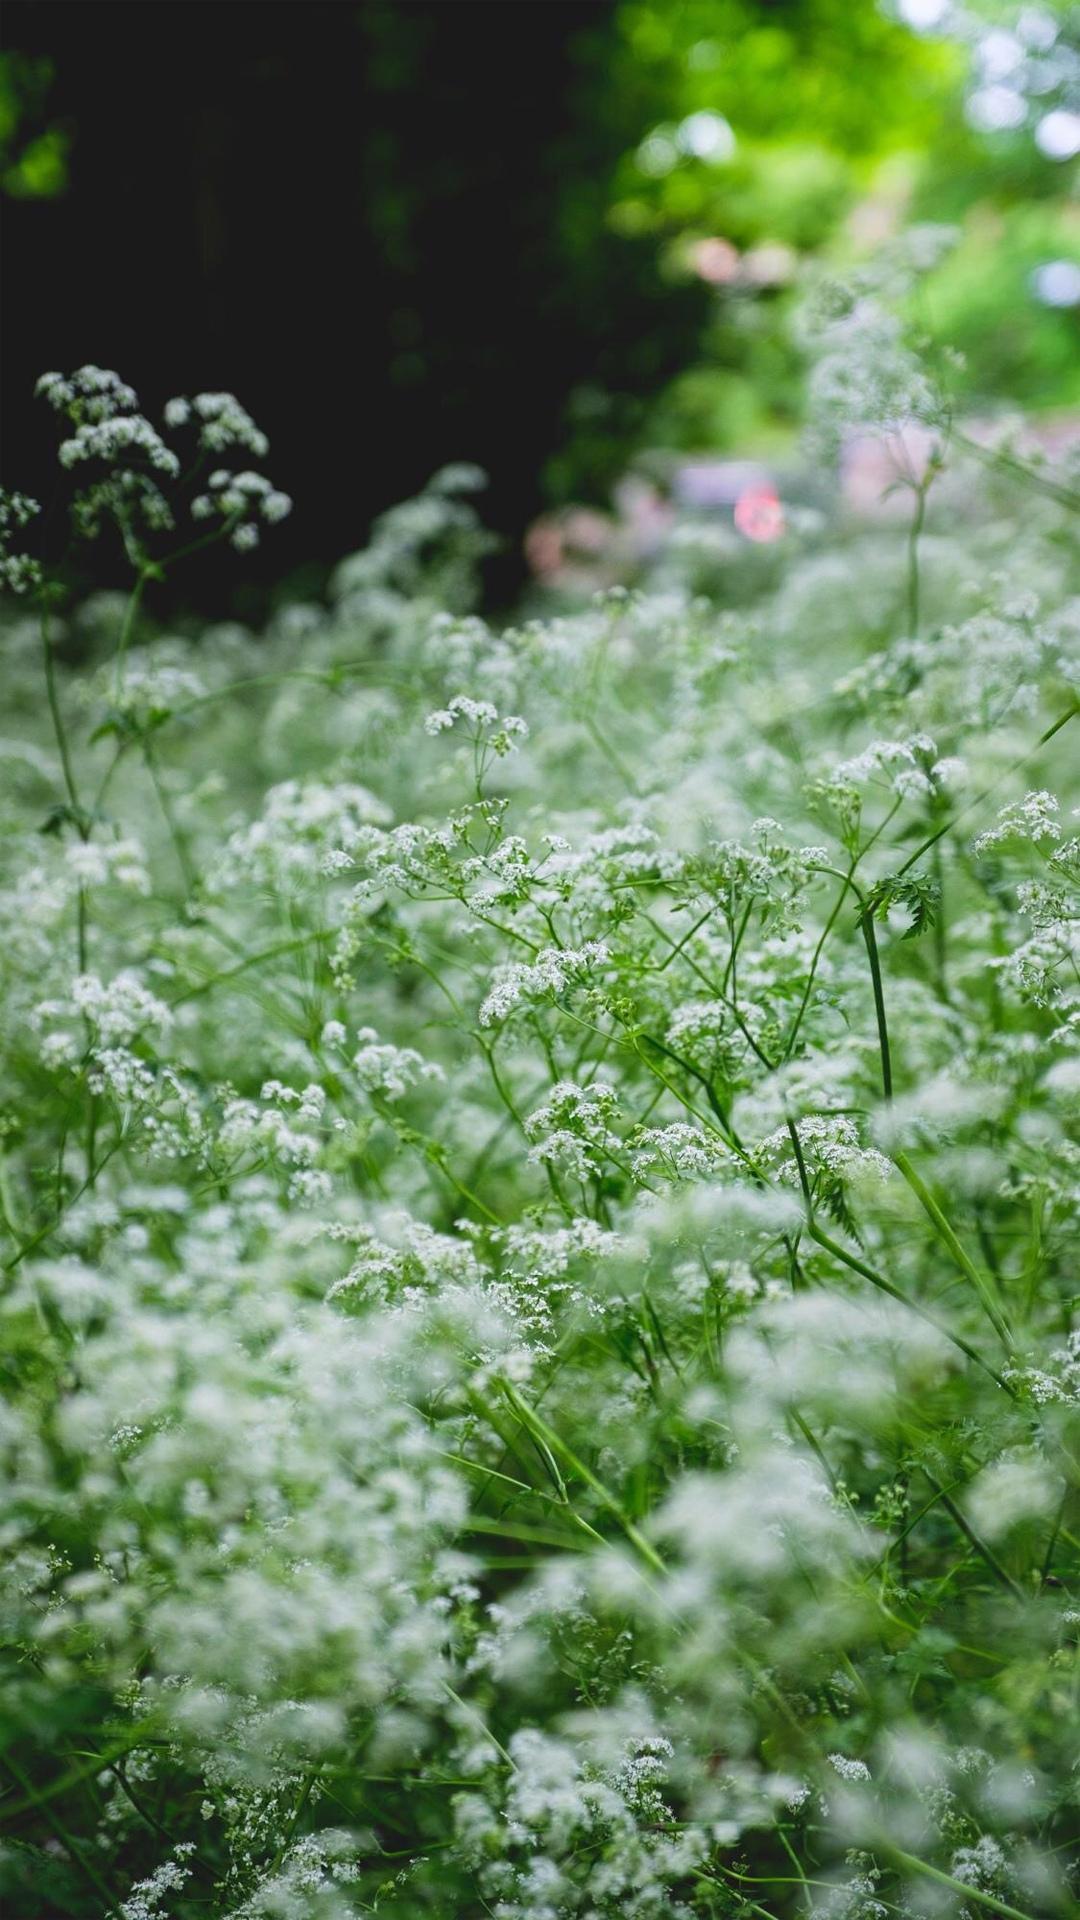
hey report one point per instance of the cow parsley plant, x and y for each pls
(540, 1186)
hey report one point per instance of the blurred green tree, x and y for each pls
(766, 131)
(33, 153)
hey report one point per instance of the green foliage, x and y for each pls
(33, 157)
(817, 127)
(919, 894)
(982, 299)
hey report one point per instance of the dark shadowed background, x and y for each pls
(382, 226)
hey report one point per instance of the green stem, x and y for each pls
(1019, 469)
(539, 1427)
(866, 922)
(940, 832)
(960, 1255)
(973, 1538)
(941, 1225)
(918, 520)
(125, 631)
(81, 822)
(168, 814)
(912, 1864)
(804, 1002)
(59, 728)
(878, 1280)
(72, 1848)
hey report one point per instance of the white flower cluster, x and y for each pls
(282, 1129)
(571, 1841)
(408, 1265)
(132, 463)
(100, 863)
(865, 371)
(220, 422)
(234, 497)
(1034, 819)
(157, 680)
(911, 767)
(114, 441)
(19, 572)
(829, 1142)
(1056, 1380)
(388, 1070)
(90, 393)
(115, 1010)
(481, 720)
(573, 1127)
(548, 975)
(866, 376)
(546, 1272)
(144, 1902)
(302, 824)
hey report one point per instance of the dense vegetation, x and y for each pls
(405, 240)
(539, 1190)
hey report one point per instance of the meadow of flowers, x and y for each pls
(539, 1191)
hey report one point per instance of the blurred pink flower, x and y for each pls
(759, 514)
(714, 260)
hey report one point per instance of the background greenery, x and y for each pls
(412, 233)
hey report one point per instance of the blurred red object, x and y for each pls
(759, 514)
